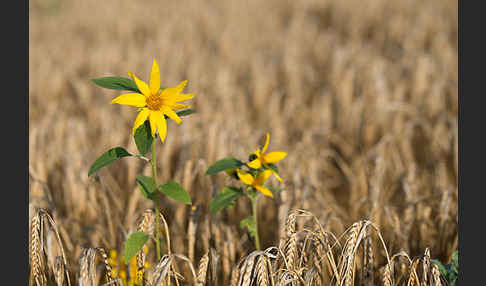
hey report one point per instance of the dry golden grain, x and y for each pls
(191, 232)
(262, 271)
(235, 275)
(367, 268)
(203, 270)
(37, 274)
(247, 271)
(108, 268)
(59, 271)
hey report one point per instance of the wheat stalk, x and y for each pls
(202, 270)
(368, 258)
(37, 274)
(87, 267)
(104, 257)
(262, 270)
(386, 276)
(247, 270)
(191, 231)
(59, 271)
(426, 266)
(52, 223)
(235, 275)
(161, 271)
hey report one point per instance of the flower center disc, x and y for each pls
(154, 102)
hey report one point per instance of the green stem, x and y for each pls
(157, 223)
(254, 205)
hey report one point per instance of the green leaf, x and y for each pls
(224, 164)
(224, 199)
(107, 158)
(250, 224)
(176, 192)
(147, 186)
(133, 244)
(118, 83)
(453, 280)
(455, 258)
(143, 138)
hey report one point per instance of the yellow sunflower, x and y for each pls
(257, 182)
(265, 159)
(154, 103)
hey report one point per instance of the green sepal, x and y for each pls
(273, 167)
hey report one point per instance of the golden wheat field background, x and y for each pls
(363, 95)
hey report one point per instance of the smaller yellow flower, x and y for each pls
(257, 183)
(133, 269)
(112, 260)
(123, 276)
(265, 159)
(119, 271)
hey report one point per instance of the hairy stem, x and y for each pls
(254, 206)
(157, 223)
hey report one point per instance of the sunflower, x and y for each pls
(265, 159)
(257, 182)
(155, 103)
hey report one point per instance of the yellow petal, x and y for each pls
(266, 144)
(257, 152)
(153, 122)
(184, 96)
(141, 117)
(130, 74)
(274, 157)
(171, 114)
(245, 177)
(131, 99)
(157, 122)
(155, 78)
(142, 86)
(177, 106)
(174, 91)
(162, 127)
(255, 164)
(263, 176)
(180, 86)
(264, 190)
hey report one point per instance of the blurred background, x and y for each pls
(363, 95)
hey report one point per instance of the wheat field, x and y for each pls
(363, 95)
